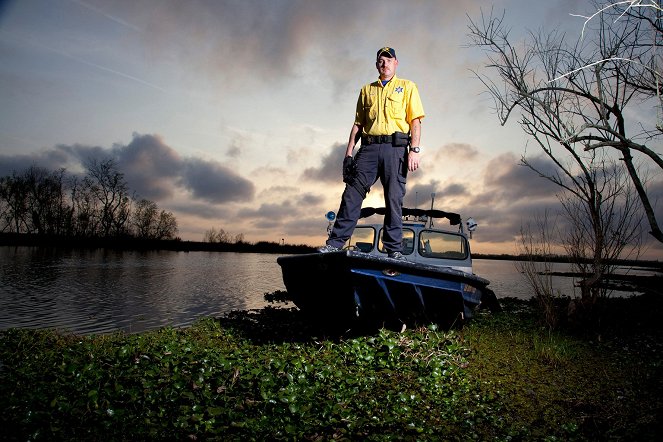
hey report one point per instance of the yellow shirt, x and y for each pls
(385, 110)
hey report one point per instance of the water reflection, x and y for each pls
(98, 291)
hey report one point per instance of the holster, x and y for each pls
(400, 139)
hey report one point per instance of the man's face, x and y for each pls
(386, 67)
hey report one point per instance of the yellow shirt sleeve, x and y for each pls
(414, 109)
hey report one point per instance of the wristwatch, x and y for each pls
(415, 149)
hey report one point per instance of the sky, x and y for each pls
(235, 114)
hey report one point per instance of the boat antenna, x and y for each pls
(432, 203)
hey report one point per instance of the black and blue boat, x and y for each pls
(361, 284)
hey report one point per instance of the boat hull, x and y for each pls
(351, 286)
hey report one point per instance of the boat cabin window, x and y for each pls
(408, 242)
(363, 238)
(444, 245)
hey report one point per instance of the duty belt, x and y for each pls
(376, 139)
(397, 139)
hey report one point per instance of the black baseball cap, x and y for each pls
(386, 52)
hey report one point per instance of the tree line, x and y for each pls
(98, 204)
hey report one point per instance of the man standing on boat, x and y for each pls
(388, 121)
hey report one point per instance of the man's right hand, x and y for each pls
(349, 170)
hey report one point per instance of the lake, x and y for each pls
(101, 291)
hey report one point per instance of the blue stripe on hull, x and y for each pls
(406, 297)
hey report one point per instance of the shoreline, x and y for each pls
(177, 245)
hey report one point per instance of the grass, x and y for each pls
(268, 375)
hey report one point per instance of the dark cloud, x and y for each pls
(203, 210)
(61, 156)
(462, 151)
(213, 182)
(243, 42)
(308, 226)
(150, 166)
(307, 200)
(153, 170)
(282, 215)
(508, 181)
(10, 164)
(331, 168)
(419, 195)
(268, 211)
(514, 197)
(510, 196)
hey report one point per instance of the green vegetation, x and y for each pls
(266, 374)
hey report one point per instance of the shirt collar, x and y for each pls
(380, 80)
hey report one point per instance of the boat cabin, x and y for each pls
(422, 243)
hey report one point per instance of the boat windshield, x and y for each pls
(445, 245)
(363, 238)
(408, 241)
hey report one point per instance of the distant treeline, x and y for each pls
(564, 259)
(97, 204)
(130, 243)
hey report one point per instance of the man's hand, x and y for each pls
(349, 170)
(412, 161)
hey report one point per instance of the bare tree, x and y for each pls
(600, 229)
(14, 197)
(46, 201)
(108, 187)
(214, 235)
(148, 222)
(166, 227)
(99, 205)
(85, 221)
(573, 99)
(571, 112)
(144, 218)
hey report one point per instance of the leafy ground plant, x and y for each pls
(268, 375)
(211, 381)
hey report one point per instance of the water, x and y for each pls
(101, 291)
(507, 281)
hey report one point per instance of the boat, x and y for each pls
(360, 284)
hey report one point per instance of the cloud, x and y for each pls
(462, 151)
(151, 168)
(270, 211)
(51, 159)
(419, 195)
(213, 182)
(507, 181)
(309, 200)
(202, 210)
(249, 42)
(331, 168)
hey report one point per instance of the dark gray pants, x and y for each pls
(389, 164)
